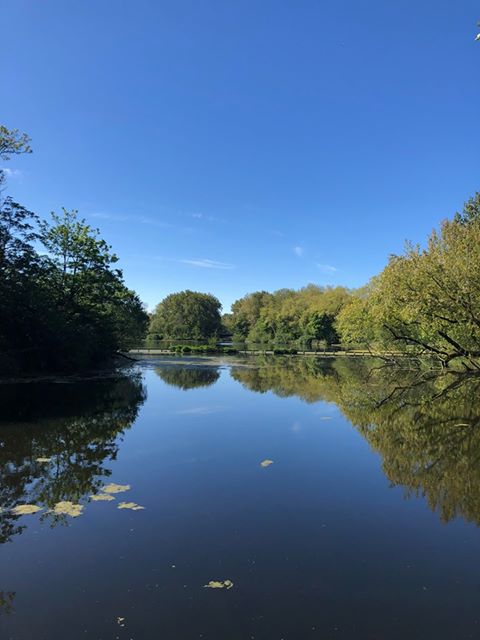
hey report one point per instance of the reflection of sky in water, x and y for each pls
(317, 545)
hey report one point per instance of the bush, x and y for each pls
(203, 349)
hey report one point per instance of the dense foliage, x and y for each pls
(187, 315)
(426, 303)
(287, 315)
(427, 300)
(64, 305)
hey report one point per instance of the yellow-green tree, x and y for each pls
(289, 315)
(427, 300)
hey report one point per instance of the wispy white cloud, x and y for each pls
(205, 263)
(200, 411)
(136, 219)
(206, 217)
(11, 173)
(298, 251)
(326, 268)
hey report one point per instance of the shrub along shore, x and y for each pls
(331, 351)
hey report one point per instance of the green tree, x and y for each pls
(427, 301)
(321, 327)
(22, 272)
(354, 323)
(67, 307)
(288, 315)
(12, 142)
(246, 312)
(471, 211)
(187, 315)
(89, 290)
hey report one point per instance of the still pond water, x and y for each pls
(365, 524)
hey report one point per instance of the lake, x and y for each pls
(362, 521)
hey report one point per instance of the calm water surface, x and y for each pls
(365, 525)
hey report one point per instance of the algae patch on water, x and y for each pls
(130, 505)
(26, 509)
(219, 584)
(115, 488)
(102, 497)
(68, 508)
(266, 463)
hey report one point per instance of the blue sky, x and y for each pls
(230, 146)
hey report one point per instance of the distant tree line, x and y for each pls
(281, 317)
(285, 316)
(64, 305)
(425, 302)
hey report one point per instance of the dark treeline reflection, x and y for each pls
(76, 426)
(425, 426)
(186, 377)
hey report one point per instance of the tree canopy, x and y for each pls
(427, 300)
(64, 305)
(187, 315)
(288, 315)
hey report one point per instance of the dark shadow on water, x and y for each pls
(76, 426)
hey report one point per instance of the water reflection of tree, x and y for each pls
(186, 377)
(305, 378)
(6, 602)
(426, 427)
(76, 425)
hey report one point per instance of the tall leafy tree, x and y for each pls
(427, 300)
(66, 307)
(89, 290)
(187, 315)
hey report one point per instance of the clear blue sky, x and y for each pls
(230, 146)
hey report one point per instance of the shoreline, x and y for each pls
(271, 352)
